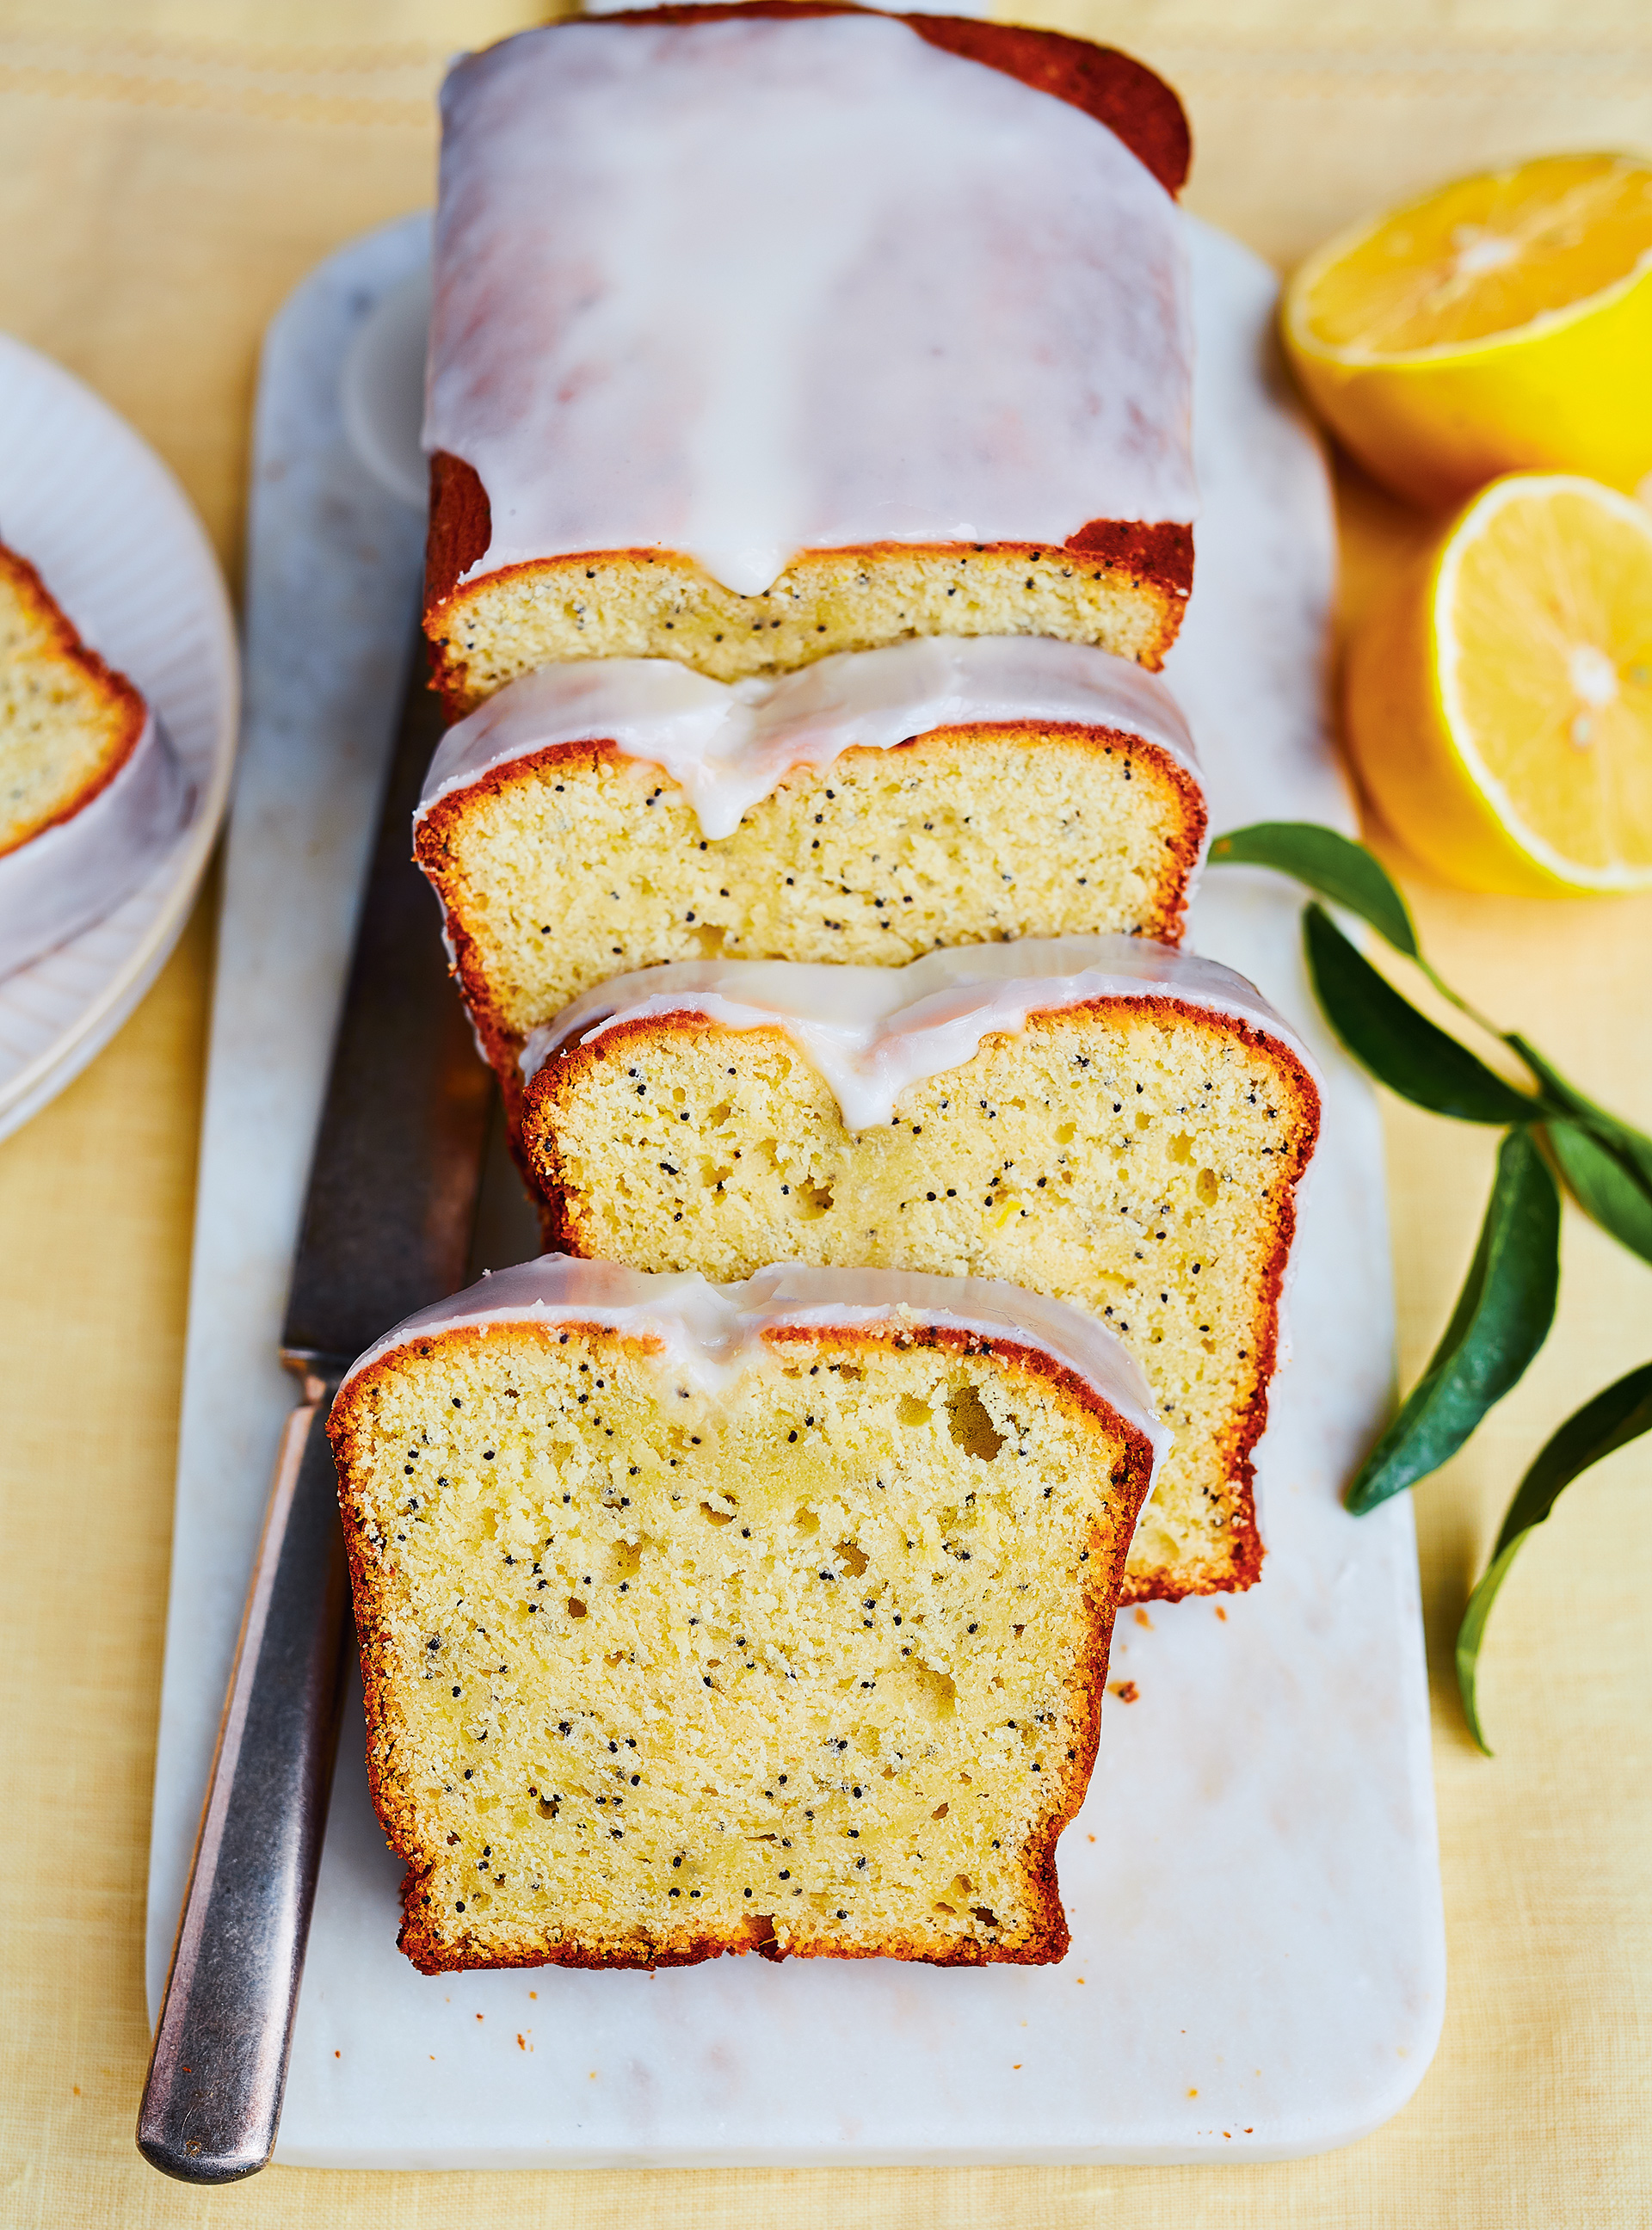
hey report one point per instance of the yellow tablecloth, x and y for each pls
(168, 169)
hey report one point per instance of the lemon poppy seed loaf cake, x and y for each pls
(90, 793)
(595, 818)
(770, 1616)
(1100, 1119)
(762, 333)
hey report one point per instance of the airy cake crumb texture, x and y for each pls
(577, 864)
(1134, 1157)
(645, 603)
(812, 1666)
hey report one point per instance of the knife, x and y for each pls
(387, 1227)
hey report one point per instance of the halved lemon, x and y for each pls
(1500, 704)
(1499, 324)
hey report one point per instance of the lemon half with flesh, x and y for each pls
(1499, 324)
(1500, 705)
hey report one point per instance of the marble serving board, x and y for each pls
(1257, 1967)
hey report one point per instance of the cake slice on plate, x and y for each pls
(599, 817)
(90, 792)
(1099, 1118)
(766, 332)
(702, 1618)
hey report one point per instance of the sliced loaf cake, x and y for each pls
(90, 792)
(760, 333)
(600, 817)
(68, 723)
(1102, 1119)
(770, 1616)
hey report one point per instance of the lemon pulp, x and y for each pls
(1545, 623)
(1503, 322)
(1483, 258)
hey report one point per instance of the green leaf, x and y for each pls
(1472, 1632)
(1501, 1320)
(1604, 1185)
(1607, 1163)
(1624, 1140)
(1347, 874)
(1402, 1048)
(1334, 866)
(1618, 1415)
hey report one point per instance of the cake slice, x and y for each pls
(600, 817)
(1098, 1119)
(763, 332)
(90, 793)
(702, 1618)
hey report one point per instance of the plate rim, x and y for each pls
(35, 1085)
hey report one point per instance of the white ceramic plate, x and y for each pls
(118, 545)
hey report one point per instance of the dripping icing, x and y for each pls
(743, 288)
(711, 1334)
(78, 870)
(729, 745)
(871, 1033)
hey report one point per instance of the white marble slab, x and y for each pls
(1258, 1965)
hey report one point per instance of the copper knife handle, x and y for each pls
(212, 2098)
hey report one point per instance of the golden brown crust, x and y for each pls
(372, 1621)
(62, 641)
(562, 1232)
(461, 527)
(1049, 1938)
(1243, 1567)
(433, 835)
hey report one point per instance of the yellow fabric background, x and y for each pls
(168, 169)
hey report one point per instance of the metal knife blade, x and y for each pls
(387, 1225)
(393, 1183)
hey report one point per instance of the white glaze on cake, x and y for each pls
(72, 875)
(872, 1032)
(745, 289)
(710, 1334)
(729, 744)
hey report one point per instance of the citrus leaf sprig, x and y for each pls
(1607, 1163)
(1424, 1064)
(1503, 1314)
(1385, 1034)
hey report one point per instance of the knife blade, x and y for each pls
(387, 1225)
